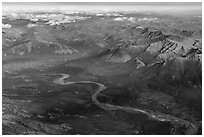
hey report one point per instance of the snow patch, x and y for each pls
(6, 26)
(31, 25)
(131, 19)
(147, 19)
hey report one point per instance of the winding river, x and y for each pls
(191, 128)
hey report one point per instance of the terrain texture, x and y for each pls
(107, 73)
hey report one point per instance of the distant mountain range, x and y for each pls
(116, 39)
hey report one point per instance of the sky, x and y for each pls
(172, 7)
